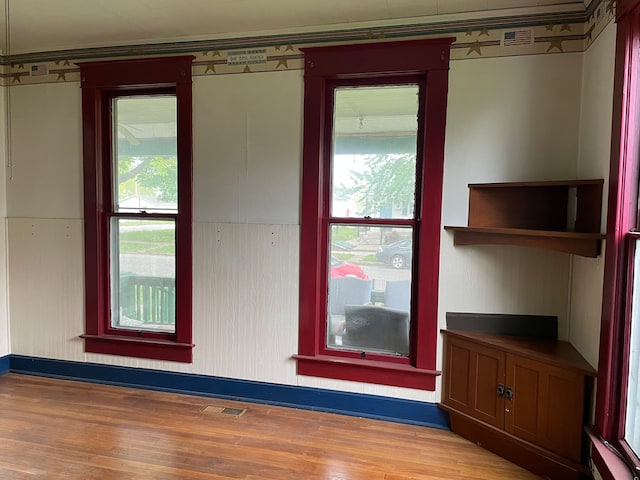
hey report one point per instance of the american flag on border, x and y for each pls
(517, 37)
(38, 70)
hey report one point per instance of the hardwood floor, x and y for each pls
(56, 429)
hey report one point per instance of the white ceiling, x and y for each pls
(46, 25)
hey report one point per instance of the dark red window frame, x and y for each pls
(426, 62)
(622, 222)
(101, 82)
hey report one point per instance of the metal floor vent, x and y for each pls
(211, 409)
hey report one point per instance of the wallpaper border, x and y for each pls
(531, 34)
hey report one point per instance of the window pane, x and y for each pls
(145, 153)
(374, 151)
(143, 274)
(369, 301)
(632, 426)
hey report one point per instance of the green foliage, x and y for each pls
(344, 234)
(387, 181)
(159, 242)
(152, 176)
(126, 182)
(152, 236)
(161, 176)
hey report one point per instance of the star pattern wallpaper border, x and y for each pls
(486, 38)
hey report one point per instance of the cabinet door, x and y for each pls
(546, 406)
(472, 376)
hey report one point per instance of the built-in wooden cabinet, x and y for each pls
(555, 215)
(523, 398)
(473, 375)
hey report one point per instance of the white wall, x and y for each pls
(46, 147)
(247, 141)
(5, 332)
(4, 317)
(594, 155)
(510, 118)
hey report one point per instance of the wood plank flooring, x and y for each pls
(56, 429)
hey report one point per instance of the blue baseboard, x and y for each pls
(360, 405)
(4, 364)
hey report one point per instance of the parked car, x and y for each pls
(340, 268)
(397, 254)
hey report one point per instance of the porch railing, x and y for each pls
(151, 300)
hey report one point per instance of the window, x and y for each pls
(632, 408)
(371, 199)
(137, 184)
(618, 395)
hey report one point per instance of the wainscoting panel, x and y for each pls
(46, 287)
(5, 342)
(246, 300)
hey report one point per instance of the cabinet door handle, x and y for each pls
(509, 393)
(500, 390)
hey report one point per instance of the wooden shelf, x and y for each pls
(535, 214)
(584, 244)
